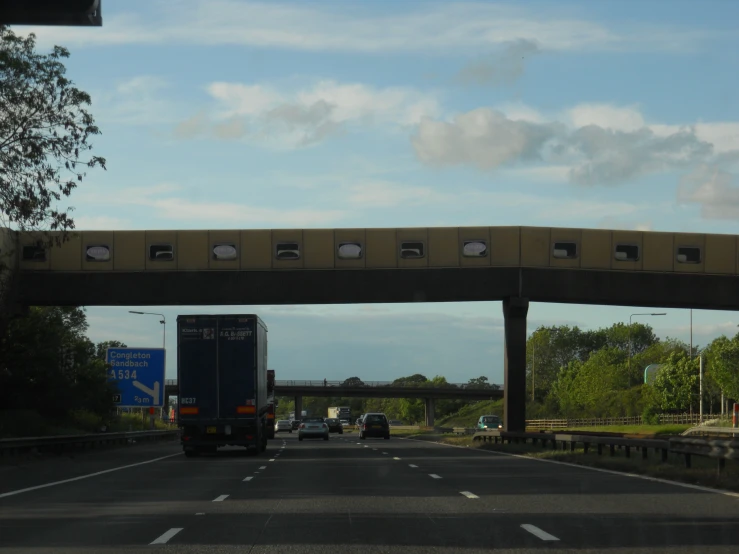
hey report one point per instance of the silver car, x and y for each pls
(313, 428)
(284, 425)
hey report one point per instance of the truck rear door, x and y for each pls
(197, 363)
(236, 367)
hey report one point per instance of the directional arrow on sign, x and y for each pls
(154, 393)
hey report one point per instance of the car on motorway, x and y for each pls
(284, 425)
(295, 423)
(490, 422)
(334, 425)
(374, 425)
(359, 420)
(345, 423)
(313, 428)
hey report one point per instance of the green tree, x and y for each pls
(676, 384)
(102, 347)
(45, 132)
(353, 382)
(722, 357)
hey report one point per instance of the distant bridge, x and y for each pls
(376, 389)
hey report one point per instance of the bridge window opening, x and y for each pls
(564, 250)
(349, 251)
(34, 254)
(627, 252)
(161, 252)
(475, 248)
(410, 250)
(288, 251)
(689, 254)
(97, 253)
(224, 251)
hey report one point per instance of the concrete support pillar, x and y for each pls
(298, 407)
(514, 414)
(430, 408)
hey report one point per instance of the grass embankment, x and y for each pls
(629, 430)
(28, 423)
(468, 415)
(703, 472)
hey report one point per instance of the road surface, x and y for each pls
(347, 495)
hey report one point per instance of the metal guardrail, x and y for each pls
(707, 430)
(10, 447)
(721, 450)
(664, 419)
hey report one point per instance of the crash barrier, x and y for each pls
(721, 450)
(13, 447)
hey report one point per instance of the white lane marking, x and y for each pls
(366, 446)
(200, 514)
(434, 476)
(396, 458)
(262, 467)
(221, 498)
(166, 536)
(375, 449)
(534, 530)
(468, 494)
(272, 460)
(359, 443)
(412, 465)
(19, 491)
(248, 478)
(578, 466)
(385, 453)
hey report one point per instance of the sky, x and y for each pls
(222, 114)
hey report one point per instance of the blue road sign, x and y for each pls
(139, 374)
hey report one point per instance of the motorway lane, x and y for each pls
(360, 498)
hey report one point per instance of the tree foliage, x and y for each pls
(45, 134)
(676, 383)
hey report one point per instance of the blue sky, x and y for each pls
(237, 114)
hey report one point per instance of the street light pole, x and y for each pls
(163, 321)
(632, 315)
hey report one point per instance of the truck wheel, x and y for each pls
(190, 454)
(387, 437)
(325, 438)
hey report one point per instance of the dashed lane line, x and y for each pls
(434, 476)
(468, 494)
(248, 478)
(534, 530)
(221, 498)
(163, 539)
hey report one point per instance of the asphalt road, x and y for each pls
(347, 495)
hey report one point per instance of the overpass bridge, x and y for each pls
(373, 389)
(514, 265)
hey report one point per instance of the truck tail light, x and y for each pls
(189, 410)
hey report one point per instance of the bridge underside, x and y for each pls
(391, 392)
(578, 286)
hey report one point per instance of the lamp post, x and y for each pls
(163, 322)
(632, 315)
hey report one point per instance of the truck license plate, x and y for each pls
(210, 430)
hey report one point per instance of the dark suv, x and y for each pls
(334, 425)
(374, 425)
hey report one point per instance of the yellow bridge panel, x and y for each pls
(721, 254)
(33, 252)
(192, 250)
(67, 256)
(535, 246)
(256, 249)
(658, 252)
(319, 248)
(505, 246)
(413, 247)
(443, 246)
(381, 248)
(596, 249)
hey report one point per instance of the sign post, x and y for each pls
(139, 374)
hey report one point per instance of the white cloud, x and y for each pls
(505, 67)
(194, 212)
(437, 28)
(100, 223)
(714, 189)
(271, 117)
(600, 144)
(137, 100)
